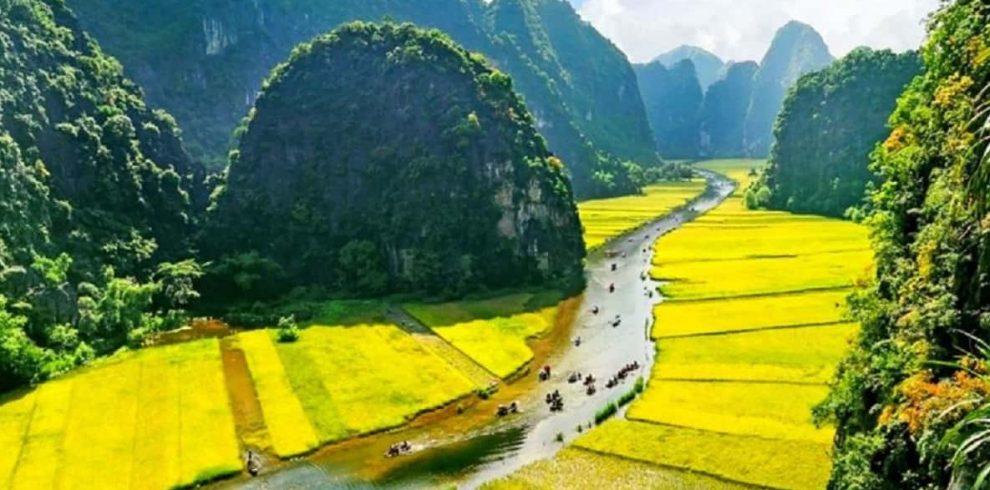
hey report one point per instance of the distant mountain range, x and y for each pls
(735, 115)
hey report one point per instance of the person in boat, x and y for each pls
(253, 466)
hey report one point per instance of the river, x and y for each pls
(467, 449)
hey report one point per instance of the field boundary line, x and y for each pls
(722, 433)
(674, 299)
(741, 381)
(764, 256)
(674, 467)
(796, 326)
(24, 436)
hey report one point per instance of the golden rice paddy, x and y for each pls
(154, 418)
(604, 219)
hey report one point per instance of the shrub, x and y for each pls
(288, 330)
(606, 413)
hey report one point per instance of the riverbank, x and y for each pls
(748, 335)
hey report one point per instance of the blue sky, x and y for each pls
(742, 29)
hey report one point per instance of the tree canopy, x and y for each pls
(830, 123)
(386, 158)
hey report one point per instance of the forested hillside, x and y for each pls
(96, 187)
(796, 49)
(385, 158)
(723, 114)
(673, 101)
(205, 63)
(708, 66)
(913, 392)
(827, 129)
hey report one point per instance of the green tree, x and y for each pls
(828, 127)
(360, 268)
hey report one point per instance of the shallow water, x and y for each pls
(468, 449)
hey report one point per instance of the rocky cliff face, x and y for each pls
(723, 114)
(399, 138)
(796, 49)
(673, 99)
(205, 61)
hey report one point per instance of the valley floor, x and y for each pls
(179, 414)
(749, 334)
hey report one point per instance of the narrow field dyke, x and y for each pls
(748, 335)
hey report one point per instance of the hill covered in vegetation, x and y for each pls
(205, 63)
(673, 101)
(796, 49)
(829, 125)
(915, 388)
(97, 193)
(386, 158)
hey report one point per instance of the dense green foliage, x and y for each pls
(723, 114)
(831, 122)
(708, 65)
(97, 191)
(386, 158)
(673, 101)
(205, 61)
(796, 49)
(900, 394)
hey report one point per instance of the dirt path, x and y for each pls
(432, 342)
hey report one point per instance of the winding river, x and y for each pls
(470, 448)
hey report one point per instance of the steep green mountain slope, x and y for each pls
(205, 61)
(896, 400)
(94, 183)
(385, 158)
(708, 65)
(827, 129)
(723, 115)
(673, 102)
(796, 49)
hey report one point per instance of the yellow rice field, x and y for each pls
(155, 418)
(339, 382)
(684, 318)
(754, 460)
(494, 332)
(750, 331)
(580, 469)
(604, 219)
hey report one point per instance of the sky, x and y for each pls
(742, 29)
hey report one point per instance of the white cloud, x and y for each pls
(742, 29)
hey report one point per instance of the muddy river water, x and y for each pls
(469, 448)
